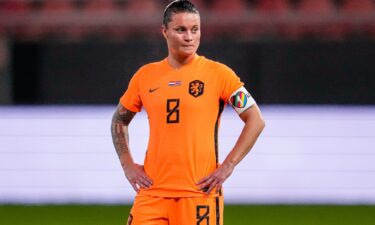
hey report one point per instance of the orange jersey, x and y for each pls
(183, 106)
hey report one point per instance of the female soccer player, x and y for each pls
(184, 96)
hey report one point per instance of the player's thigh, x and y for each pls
(198, 211)
(149, 210)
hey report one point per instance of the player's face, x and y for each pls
(183, 34)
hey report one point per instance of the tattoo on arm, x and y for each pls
(119, 129)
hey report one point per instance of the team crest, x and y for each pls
(196, 88)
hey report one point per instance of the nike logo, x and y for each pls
(153, 89)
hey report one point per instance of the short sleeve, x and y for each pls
(230, 82)
(131, 98)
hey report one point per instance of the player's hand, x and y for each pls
(137, 177)
(215, 179)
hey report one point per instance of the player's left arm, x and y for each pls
(254, 124)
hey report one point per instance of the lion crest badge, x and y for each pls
(196, 88)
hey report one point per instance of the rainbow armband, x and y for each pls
(241, 100)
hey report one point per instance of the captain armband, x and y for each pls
(241, 100)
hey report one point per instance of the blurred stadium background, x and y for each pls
(308, 63)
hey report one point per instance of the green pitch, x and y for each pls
(234, 215)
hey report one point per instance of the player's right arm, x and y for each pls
(120, 136)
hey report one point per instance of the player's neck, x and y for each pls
(176, 62)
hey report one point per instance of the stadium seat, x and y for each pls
(58, 6)
(357, 9)
(279, 10)
(225, 6)
(273, 6)
(358, 6)
(200, 4)
(143, 6)
(316, 7)
(15, 6)
(316, 19)
(99, 6)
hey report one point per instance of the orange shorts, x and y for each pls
(150, 210)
